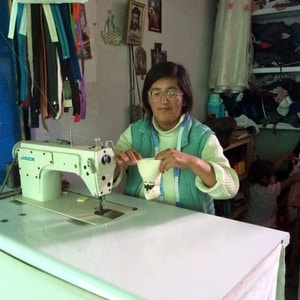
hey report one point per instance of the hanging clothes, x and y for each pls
(50, 77)
(231, 56)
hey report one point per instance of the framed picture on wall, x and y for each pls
(157, 55)
(140, 61)
(135, 26)
(154, 15)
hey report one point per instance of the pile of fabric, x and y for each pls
(276, 44)
(275, 102)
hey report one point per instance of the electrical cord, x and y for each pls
(11, 192)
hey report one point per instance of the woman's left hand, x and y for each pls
(171, 158)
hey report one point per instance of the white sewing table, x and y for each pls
(155, 252)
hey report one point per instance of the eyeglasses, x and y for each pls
(170, 95)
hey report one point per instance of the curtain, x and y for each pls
(10, 131)
(231, 55)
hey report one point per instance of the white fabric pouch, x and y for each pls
(149, 171)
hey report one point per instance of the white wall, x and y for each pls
(187, 34)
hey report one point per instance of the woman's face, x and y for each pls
(166, 112)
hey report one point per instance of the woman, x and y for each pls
(193, 166)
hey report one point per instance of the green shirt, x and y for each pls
(197, 140)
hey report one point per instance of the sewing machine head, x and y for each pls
(41, 164)
(40, 168)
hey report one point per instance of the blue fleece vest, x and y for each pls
(194, 137)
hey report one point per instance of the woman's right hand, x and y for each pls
(127, 158)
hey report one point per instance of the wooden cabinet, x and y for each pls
(240, 154)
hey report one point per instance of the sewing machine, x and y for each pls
(41, 165)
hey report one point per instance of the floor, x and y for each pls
(292, 287)
(292, 281)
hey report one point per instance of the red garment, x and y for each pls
(265, 45)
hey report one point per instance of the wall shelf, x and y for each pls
(279, 126)
(268, 70)
(275, 12)
(289, 15)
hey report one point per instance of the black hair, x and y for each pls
(261, 171)
(136, 11)
(168, 70)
